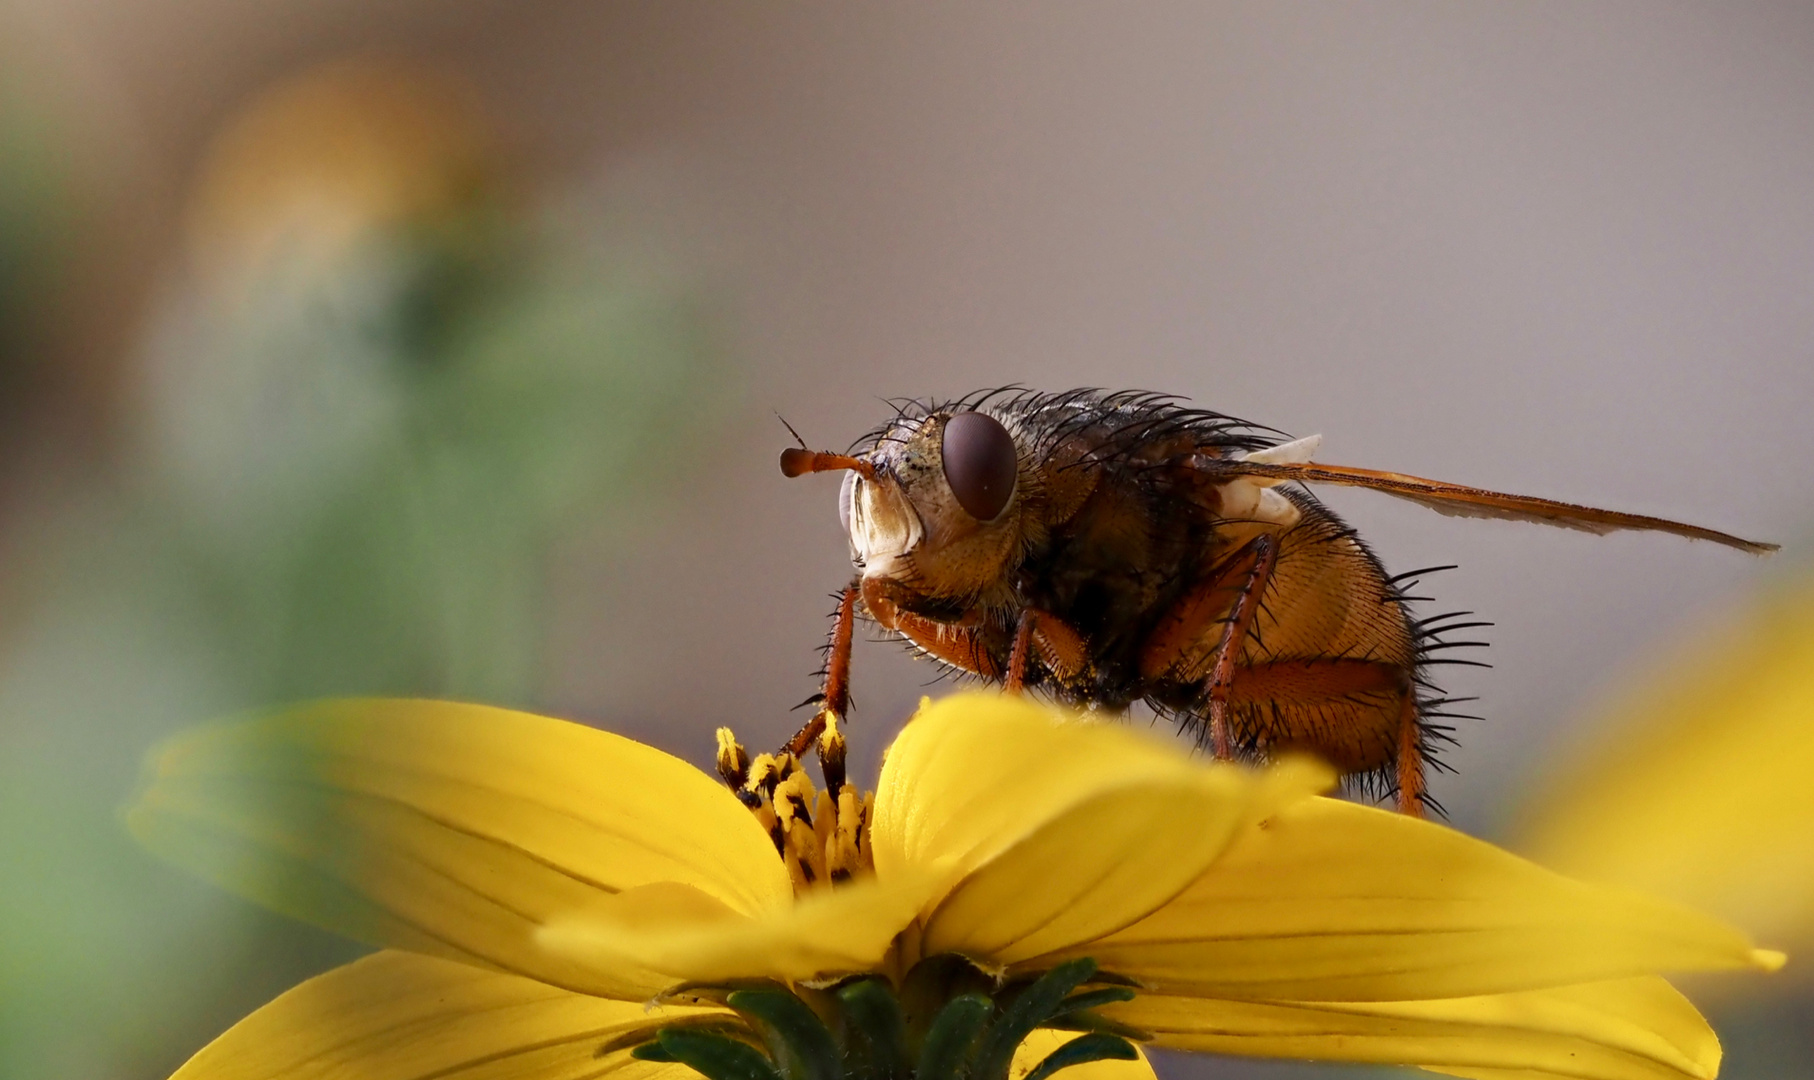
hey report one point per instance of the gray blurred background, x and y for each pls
(479, 399)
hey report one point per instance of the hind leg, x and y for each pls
(1360, 715)
(1410, 758)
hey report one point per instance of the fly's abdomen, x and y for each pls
(1331, 659)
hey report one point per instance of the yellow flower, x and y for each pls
(1700, 788)
(538, 881)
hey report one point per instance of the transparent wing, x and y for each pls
(1457, 500)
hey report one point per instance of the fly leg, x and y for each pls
(960, 643)
(1265, 556)
(834, 696)
(1410, 758)
(1060, 647)
(1231, 596)
(1384, 729)
(1017, 657)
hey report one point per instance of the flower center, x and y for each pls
(947, 1021)
(821, 836)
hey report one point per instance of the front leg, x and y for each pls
(834, 694)
(1231, 596)
(960, 644)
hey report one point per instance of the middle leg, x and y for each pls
(1060, 647)
(1235, 588)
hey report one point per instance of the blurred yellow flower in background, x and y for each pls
(326, 159)
(1700, 787)
(539, 881)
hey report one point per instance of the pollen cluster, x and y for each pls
(822, 836)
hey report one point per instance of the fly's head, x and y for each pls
(935, 508)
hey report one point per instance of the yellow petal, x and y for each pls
(1329, 901)
(1045, 1040)
(1105, 862)
(1699, 788)
(1627, 1029)
(400, 1016)
(975, 773)
(450, 829)
(828, 932)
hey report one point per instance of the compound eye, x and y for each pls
(980, 464)
(847, 494)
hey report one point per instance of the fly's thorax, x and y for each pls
(917, 522)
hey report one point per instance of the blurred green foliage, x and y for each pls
(388, 535)
(36, 215)
(352, 475)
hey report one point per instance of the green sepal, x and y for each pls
(1084, 1049)
(876, 1031)
(801, 1044)
(1096, 999)
(646, 1036)
(715, 1057)
(1077, 1013)
(952, 1035)
(1030, 1009)
(872, 1032)
(652, 1051)
(1086, 1020)
(1109, 978)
